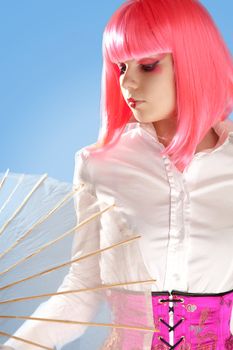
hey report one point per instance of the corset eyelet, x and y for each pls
(182, 300)
(182, 318)
(160, 319)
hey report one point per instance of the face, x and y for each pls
(150, 80)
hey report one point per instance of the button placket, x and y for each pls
(177, 243)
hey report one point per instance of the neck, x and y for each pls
(209, 141)
(165, 130)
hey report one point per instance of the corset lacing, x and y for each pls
(171, 328)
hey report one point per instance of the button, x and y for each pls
(176, 277)
(182, 195)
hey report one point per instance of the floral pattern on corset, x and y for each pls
(156, 322)
(206, 338)
(229, 343)
(159, 347)
(203, 338)
(225, 302)
(185, 346)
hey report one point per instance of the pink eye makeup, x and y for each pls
(151, 59)
(148, 64)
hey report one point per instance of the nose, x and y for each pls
(129, 79)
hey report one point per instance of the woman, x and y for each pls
(164, 157)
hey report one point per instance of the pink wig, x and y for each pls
(203, 69)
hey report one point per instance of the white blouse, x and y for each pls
(185, 219)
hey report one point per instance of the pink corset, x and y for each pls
(185, 321)
(192, 321)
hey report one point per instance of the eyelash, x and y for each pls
(145, 67)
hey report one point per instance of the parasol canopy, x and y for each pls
(70, 268)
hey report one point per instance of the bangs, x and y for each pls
(125, 39)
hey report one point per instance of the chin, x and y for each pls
(142, 119)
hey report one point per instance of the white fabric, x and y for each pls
(185, 219)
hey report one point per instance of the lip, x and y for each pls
(135, 104)
(131, 99)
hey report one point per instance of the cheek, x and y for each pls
(154, 80)
(154, 83)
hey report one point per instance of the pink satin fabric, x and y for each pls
(201, 321)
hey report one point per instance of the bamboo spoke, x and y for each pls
(119, 326)
(96, 252)
(25, 340)
(26, 199)
(76, 291)
(12, 193)
(39, 222)
(4, 178)
(47, 245)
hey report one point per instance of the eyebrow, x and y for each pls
(154, 57)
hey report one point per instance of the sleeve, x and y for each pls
(79, 306)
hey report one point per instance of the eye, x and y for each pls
(145, 67)
(149, 67)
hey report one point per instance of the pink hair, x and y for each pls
(203, 69)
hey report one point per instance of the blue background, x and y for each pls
(50, 75)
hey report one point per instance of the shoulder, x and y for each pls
(81, 174)
(126, 154)
(89, 164)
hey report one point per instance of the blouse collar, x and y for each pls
(224, 129)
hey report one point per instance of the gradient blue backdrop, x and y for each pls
(50, 75)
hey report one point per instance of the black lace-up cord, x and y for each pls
(171, 328)
(172, 347)
(171, 300)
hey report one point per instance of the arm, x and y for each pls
(79, 306)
